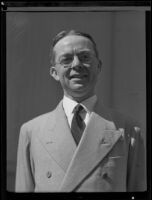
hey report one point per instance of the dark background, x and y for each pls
(120, 38)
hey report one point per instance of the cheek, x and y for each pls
(63, 77)
(93, 72)
(61, 73)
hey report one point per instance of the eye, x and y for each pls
(66, 59)
(85, 57)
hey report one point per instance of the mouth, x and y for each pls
(78, 76)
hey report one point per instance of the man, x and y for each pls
(81, 145)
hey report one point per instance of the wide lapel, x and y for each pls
(57, 139)
(98, 139)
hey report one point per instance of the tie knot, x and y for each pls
(78, 108)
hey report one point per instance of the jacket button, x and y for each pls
(49, 174)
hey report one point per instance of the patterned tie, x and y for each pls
(77, 125)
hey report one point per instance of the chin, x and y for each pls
(80, 91)
(79, 87)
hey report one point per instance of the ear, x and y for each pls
(54, 73)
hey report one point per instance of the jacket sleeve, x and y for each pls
(24, 177)
(136, 171)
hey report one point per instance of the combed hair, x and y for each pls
(65, 33)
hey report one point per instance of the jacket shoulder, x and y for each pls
(37, 122)
(131, 126)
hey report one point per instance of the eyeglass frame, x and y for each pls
(92, 56)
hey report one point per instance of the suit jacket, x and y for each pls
(110, 156)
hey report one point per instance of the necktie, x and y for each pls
(77, 125)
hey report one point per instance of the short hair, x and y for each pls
(65, 33)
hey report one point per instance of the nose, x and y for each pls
(76, 62)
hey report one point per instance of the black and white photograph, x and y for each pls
(76, 100)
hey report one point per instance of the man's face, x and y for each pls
(77, 66)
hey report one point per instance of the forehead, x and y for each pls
(72, 43)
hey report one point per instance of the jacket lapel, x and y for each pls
(97, 141)
(57, 139)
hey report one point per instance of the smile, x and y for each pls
(79, 76)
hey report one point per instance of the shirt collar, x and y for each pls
(69, 104)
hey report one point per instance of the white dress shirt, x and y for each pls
(88, 105)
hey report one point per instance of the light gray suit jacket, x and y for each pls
(109, 158)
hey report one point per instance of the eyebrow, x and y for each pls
(81, 51)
